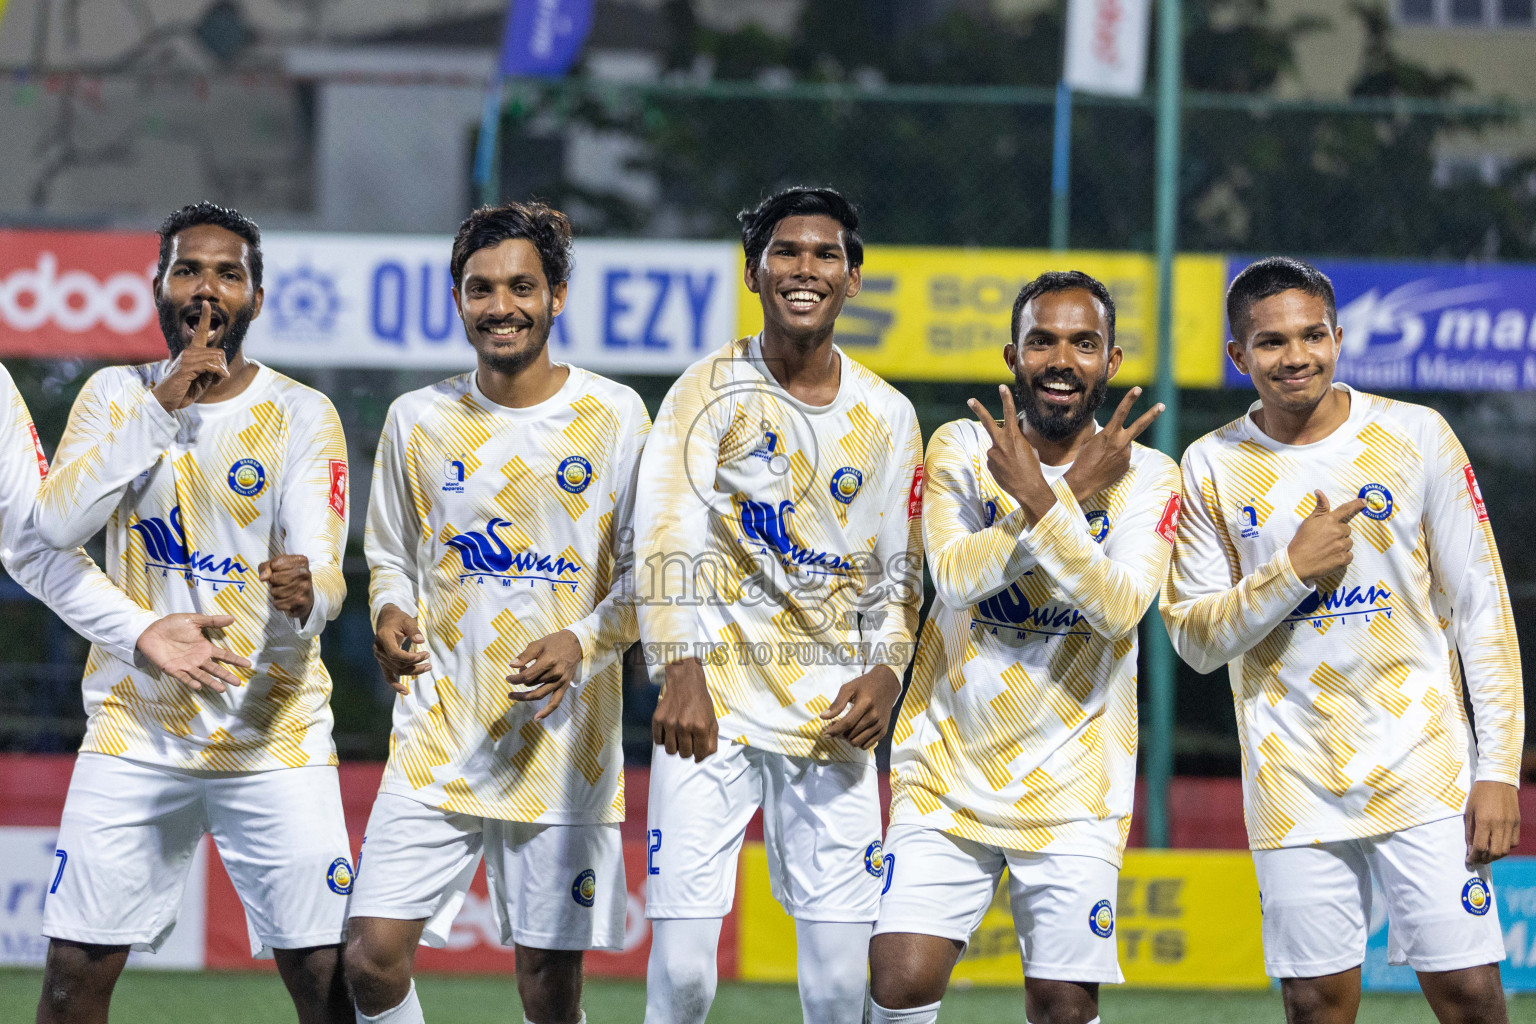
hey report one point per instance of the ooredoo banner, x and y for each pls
(79, 294)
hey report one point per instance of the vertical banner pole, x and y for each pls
(1061, 169)
(1158, 767)
(487, 147)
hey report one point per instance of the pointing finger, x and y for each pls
(985, 416)
(1123, 409)
(1010, 414)
(1347, 511)
(1144, 421)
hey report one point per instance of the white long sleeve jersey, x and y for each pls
(1019, 728)
(779, 542)
(495, 527)
(1349, 696)
(193, 502)
(68, 582)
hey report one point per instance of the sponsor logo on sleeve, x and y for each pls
(915, 495)
(42, 460)
(1168, 525)
(338, 500)
(1466, 471)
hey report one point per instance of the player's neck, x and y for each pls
(241, 372)
(1305, 426)
(537, 382)
(1058, 453)
(809, 370)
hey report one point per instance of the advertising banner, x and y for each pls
(1431, 326)
(1107, 46)
(945, 313)
(80, 295)
(386, 301)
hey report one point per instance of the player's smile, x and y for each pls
(1058, 389)
(803, 276)
(802, 300)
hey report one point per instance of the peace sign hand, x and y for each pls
(1106, 456)
(1012, 459)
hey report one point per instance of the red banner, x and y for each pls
(79, 295)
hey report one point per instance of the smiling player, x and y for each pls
(499, 549)
(1047, 538)
(222, 487)
(782, 488)
(1335, 553)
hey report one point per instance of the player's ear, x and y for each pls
(261, 297)
(1010, 352)
(558, 302)
(749, 277)
(457, 298)
(1239, 356)
(855, 282)
(1112, 364)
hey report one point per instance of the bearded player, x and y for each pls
(500, 552)
(1047, 538)
(222, 486)
(1337, 556)
(779, 571)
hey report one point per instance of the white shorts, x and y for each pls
(821, 827)
(551, 886)
(1063, 904)
(130, 829)
(1316, 902)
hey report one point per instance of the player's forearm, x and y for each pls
(968, 568)
(1212, 629)
(80, 594)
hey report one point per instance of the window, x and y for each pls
(1467, 13)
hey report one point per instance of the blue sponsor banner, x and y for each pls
(544, 37)
(1514, 894)
(1431, 326)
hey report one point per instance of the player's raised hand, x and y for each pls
(195, 369)
(1493, 822)
(292, 587)
(177, 646)
(1323, 545)
(394, 634)
(861, 712)
(1106, 456)
(1012, 459)
(685, 722)
(547, 666)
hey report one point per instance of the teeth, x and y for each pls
(801, 296)
(1061, 388)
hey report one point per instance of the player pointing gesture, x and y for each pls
(1349, 633)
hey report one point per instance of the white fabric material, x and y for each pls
(1019, 728)
(821, 828)
(939, 884)
(68, 582)
(1349, 697)
(129, 831)
(832, 969)
(915, 1015)
(496, 527)
(193, 502)
(682, 973)
(551, 886)
(407, 1012)
(1316, 902)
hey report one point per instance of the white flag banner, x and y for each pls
(1107, 46)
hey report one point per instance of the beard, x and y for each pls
(515, 362)
(1053, 423)
(537, 330)
(172, 317)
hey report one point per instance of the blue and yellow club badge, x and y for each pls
(1102, 919)
(247, 477)
(846, 483)
(574, 474)
(1098, 525)
(1378, 502)
(339, 877)
(874, 859)
(584, 889)
(1476, 898)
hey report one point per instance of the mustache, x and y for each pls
(1059, 375)
(487, 323)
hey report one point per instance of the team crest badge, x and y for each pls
(574, 474)
(1475, 897)
(247, 477)
(1098, 525)
(874, 859)
(1101, 919)
(339, 877)
(846, 483)
(1378, 502)
(584, 889)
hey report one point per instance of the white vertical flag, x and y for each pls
(1107, 46)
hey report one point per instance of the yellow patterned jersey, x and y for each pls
(68, 582)
(1349, 696)
(779, 542)
(495, 527)
(1019, 727)
(193, 502)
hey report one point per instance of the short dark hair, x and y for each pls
(1061, 281)
(198, 214)
(1271, 276)
(546, 229)
(757, 224)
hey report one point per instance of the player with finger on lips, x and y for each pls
(1047, 538)
(1336, 555)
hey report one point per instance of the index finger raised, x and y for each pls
(1123, 409)
(985, 416)
(1144, 421)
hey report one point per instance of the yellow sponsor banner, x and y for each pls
(1184, 919)
(943, 313)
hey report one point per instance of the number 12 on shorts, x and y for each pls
(652, 847)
